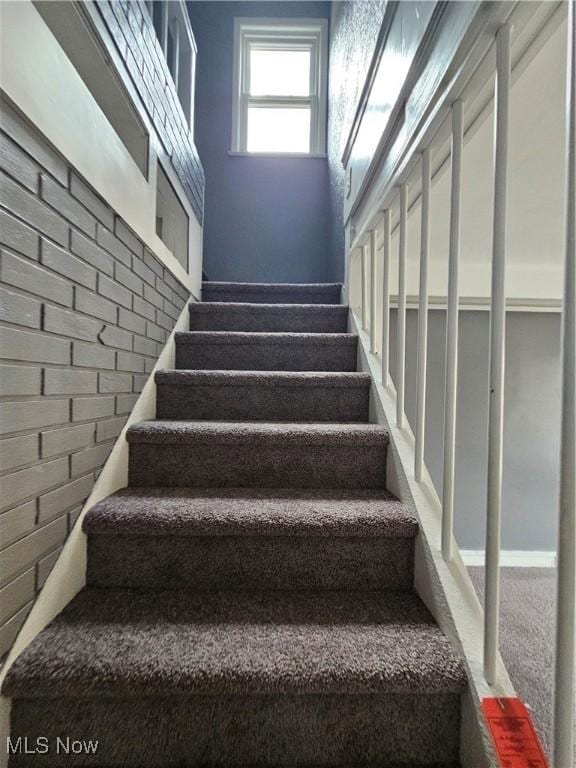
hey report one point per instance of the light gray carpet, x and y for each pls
(527, 637)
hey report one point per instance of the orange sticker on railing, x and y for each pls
(515, 740)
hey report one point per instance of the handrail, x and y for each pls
(366, 242)
(565, 663)
(474, 72)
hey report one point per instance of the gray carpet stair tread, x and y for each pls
(250, 512)
(248, 316)
(255, 338)
(271, 288)
(273, 379)
(292, 292)
(129, 643)
(257, 433)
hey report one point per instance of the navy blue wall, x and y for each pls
(266, 219)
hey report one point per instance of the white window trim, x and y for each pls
(175, 18)
(313, 32)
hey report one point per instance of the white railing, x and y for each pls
(365, 243)
(565, 670)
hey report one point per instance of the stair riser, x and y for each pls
(256, 466)
(270, 320)
(266, 357)
(397, 731)
(273, 295)
(241, 562)
(262, 403)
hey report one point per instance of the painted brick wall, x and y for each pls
(132, 31)
(85, 309)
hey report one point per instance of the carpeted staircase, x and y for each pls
(249, 596)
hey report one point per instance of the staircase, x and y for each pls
(249, 596)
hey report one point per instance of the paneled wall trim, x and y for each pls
(131, 28)
(85, 310)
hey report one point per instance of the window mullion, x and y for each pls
(304, 102)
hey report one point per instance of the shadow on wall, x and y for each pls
(354, 29)
(531, 429)
(266, 219)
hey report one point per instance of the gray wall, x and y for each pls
(354, 28)
(266, 219)
(85, 311)
(532, 423)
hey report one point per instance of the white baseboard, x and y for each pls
(518, 558)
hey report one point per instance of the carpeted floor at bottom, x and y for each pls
(527, 620)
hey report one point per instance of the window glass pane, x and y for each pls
(279, 73)
(278, 129)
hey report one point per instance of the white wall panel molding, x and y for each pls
(72, 121)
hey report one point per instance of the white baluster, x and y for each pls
(386, 299)
(565, 667)
(497, 354)
(372, 249)
(401, 335)
(451, 384)
(422, 317)
(363, 280)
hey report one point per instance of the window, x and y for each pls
(174, 33)
(279, 86)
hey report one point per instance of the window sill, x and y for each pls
(287, 155)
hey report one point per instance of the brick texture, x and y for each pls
(84, 312)
(132, 32)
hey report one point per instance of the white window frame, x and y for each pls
(174, 19)
(297, 34)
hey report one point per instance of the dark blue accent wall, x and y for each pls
(266, 219)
